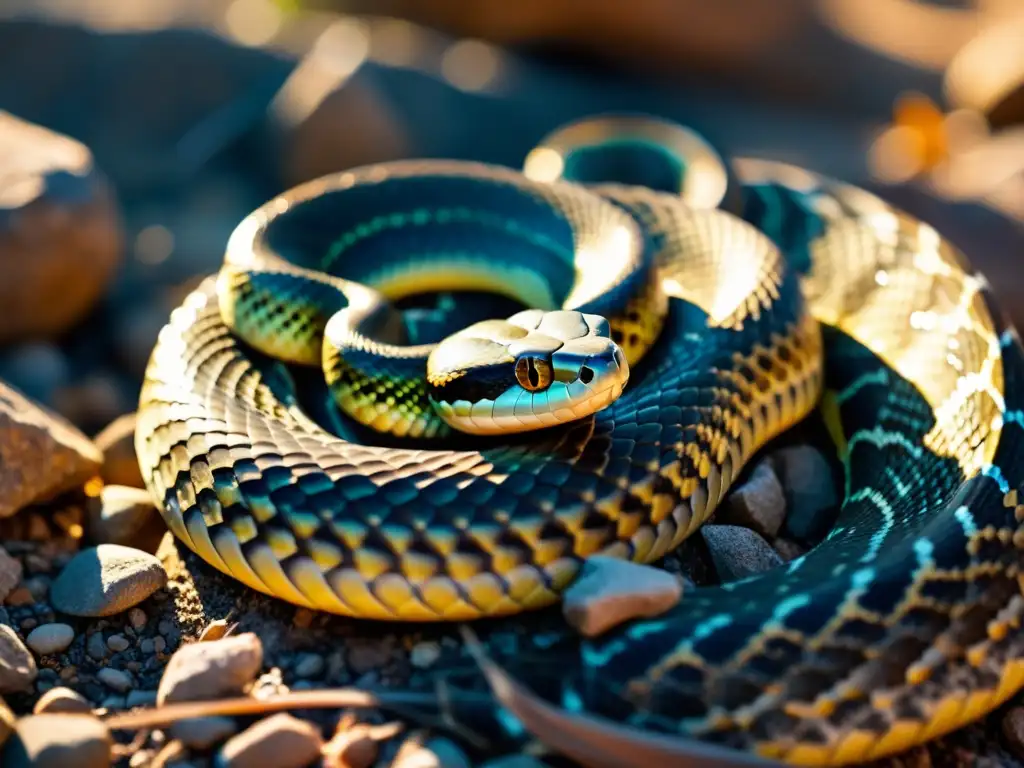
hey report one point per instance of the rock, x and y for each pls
(96, 647)
(366, 656)
(117, 443)
(1013, 730)
(41, 454)
(60, 699)
(738, 552)
(58, 741)
(125, 516)
(140, 699)
(10, 574)
(788, 549)
(758, 504)
(211, 670)
(352, 746)
(7, 723)
(60, 231)
(106, 580)
(115, 679)
(309, 665)
(810, 490)
(113, 703)
(202, 732)
(50, 638)
(17, 666)
(118, 643)
(37, 369)
(137, 618)
(280, 740)
(437, 752)
(424, 655)
(21, 596)
(514, 761)
(609, 591)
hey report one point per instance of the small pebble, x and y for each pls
(810, 490)
(203, 732)
(738, 552)
(281, 740)
(58, 741)
(50, 638)
(29, 624)
(437, 752)
(364, 657)
(159, 644)
(96, 647)
(211, 670)
(38, 587)
(424, 654)
(10, 574)
(309, 665)
(788, 549)
(118, 643)
(353, 746)
(125, 516)
(758, 504)
(17, 665)
(147, 646)
(115, 679)
(106, 580)
(514, 761)
(140, 699)
(137, 618)
(113, 703)
(609, 591)
(61, 699)
(20, 596)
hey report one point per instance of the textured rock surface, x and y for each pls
(208, 670)
(58, 741)
(41, 455)
(50, 638)
(738, 552)
(60, 231)
(60, 699)
(126, 516)
(10, 574)
(17, 666)
(104, 580)
(117, 443)
(280, 740)
(758, 504)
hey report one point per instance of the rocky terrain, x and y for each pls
(102, 613)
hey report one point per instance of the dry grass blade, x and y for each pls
(596, 742)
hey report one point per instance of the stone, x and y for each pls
(41, 454)
(118, 643)
(211, 670)
(514, 761)
(609, 591)
(203, 732)
(137, 618)
(1013, 730)
(788, 549)
(437, 752)
(758, 504)
(810, 490)
(140, 699)
(61, 699)
(106, 580)
(115, 679)
(424, 654)
(125, 516)
(738, 552)
(309, 665)
(58, 741)
(113, 703)
(10, 574)
(60, 231)
(17, 666)
(353, 746)
(280, 740)
(117, 443)
(366, 656)
(96, 647)
(50, 638)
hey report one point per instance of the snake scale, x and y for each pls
(778, 286)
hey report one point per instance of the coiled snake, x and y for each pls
(903, 624)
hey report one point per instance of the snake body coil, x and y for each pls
(903, 624)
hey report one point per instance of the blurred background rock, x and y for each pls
(192, 112)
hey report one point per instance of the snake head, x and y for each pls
(536, 369)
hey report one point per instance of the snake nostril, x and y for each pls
(586, 374)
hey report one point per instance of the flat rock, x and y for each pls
(61, 699)
(50, 638)
(10, 574)
(609, 591)
(60, 231)
(212, 669)
(203, 732)
(17, 666)
(758, 504)
(41, 454)
(58, 741)
(117, 443)
(106, 580)
(738, 552)
(281, 740)
(810, 490)
(126, 516)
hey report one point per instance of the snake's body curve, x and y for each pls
(902, 625)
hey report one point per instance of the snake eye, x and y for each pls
(533, 373)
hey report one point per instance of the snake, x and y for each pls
(681, 313)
